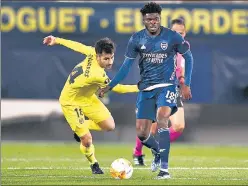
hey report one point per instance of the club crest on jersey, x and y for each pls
(164, 45)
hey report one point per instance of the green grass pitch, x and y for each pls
(63, 164)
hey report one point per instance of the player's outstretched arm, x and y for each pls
(76, 46)
(131, 54)
(122, 89)
(121, 74)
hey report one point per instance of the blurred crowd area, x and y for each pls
(33, 74)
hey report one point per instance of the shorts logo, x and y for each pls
(136, 110)
(81, 120)
(164, 45)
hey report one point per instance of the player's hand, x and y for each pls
(181, 80)
(186, 92)
(49, 40)
(102, 91)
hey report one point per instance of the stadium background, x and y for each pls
(33, 74)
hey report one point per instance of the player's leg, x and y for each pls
(88, 149)
(75, 118)
(166, 103)
(154, 128)
(99, 116)
(177, 120)
(177, 124)
(146, 113)
(138, 156)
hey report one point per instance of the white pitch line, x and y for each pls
(199, 159)
(135, 168)
(101, 177)
(57, 176)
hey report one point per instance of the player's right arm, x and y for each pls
(103, 81)
(76, 46)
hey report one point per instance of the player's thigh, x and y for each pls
(98, 112)
(145, 107)
(107, 124)
(75, 118)
(166, 101)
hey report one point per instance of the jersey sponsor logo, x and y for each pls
(87, 71)
(164, 45)
(154, 57)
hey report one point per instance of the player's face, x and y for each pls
(152, 22)
(105, 60)
(179, 29)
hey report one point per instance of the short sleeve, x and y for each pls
(102, 80)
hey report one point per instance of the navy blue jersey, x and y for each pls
(157, 62)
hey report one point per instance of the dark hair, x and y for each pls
(105, 45)
(178, 21)
(151, 7)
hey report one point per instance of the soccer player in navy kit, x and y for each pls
(157, 48)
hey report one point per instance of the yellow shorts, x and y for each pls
(94, 109)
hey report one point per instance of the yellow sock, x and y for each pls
(92, 125)
(89, 153)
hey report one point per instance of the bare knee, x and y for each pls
(108, 124)
(86, 140)
(143, 128)
(178, 127)
(154, 129)
(163, 115)
(111, 126)
(142, 135)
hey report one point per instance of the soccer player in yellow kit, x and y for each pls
(78, 98)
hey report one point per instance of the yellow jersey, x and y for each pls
(86, 77)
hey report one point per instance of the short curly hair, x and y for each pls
(151, 7)
(105, 45)
(179, 21)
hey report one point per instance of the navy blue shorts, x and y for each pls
(149, 101)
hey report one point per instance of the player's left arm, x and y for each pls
(183, 48)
